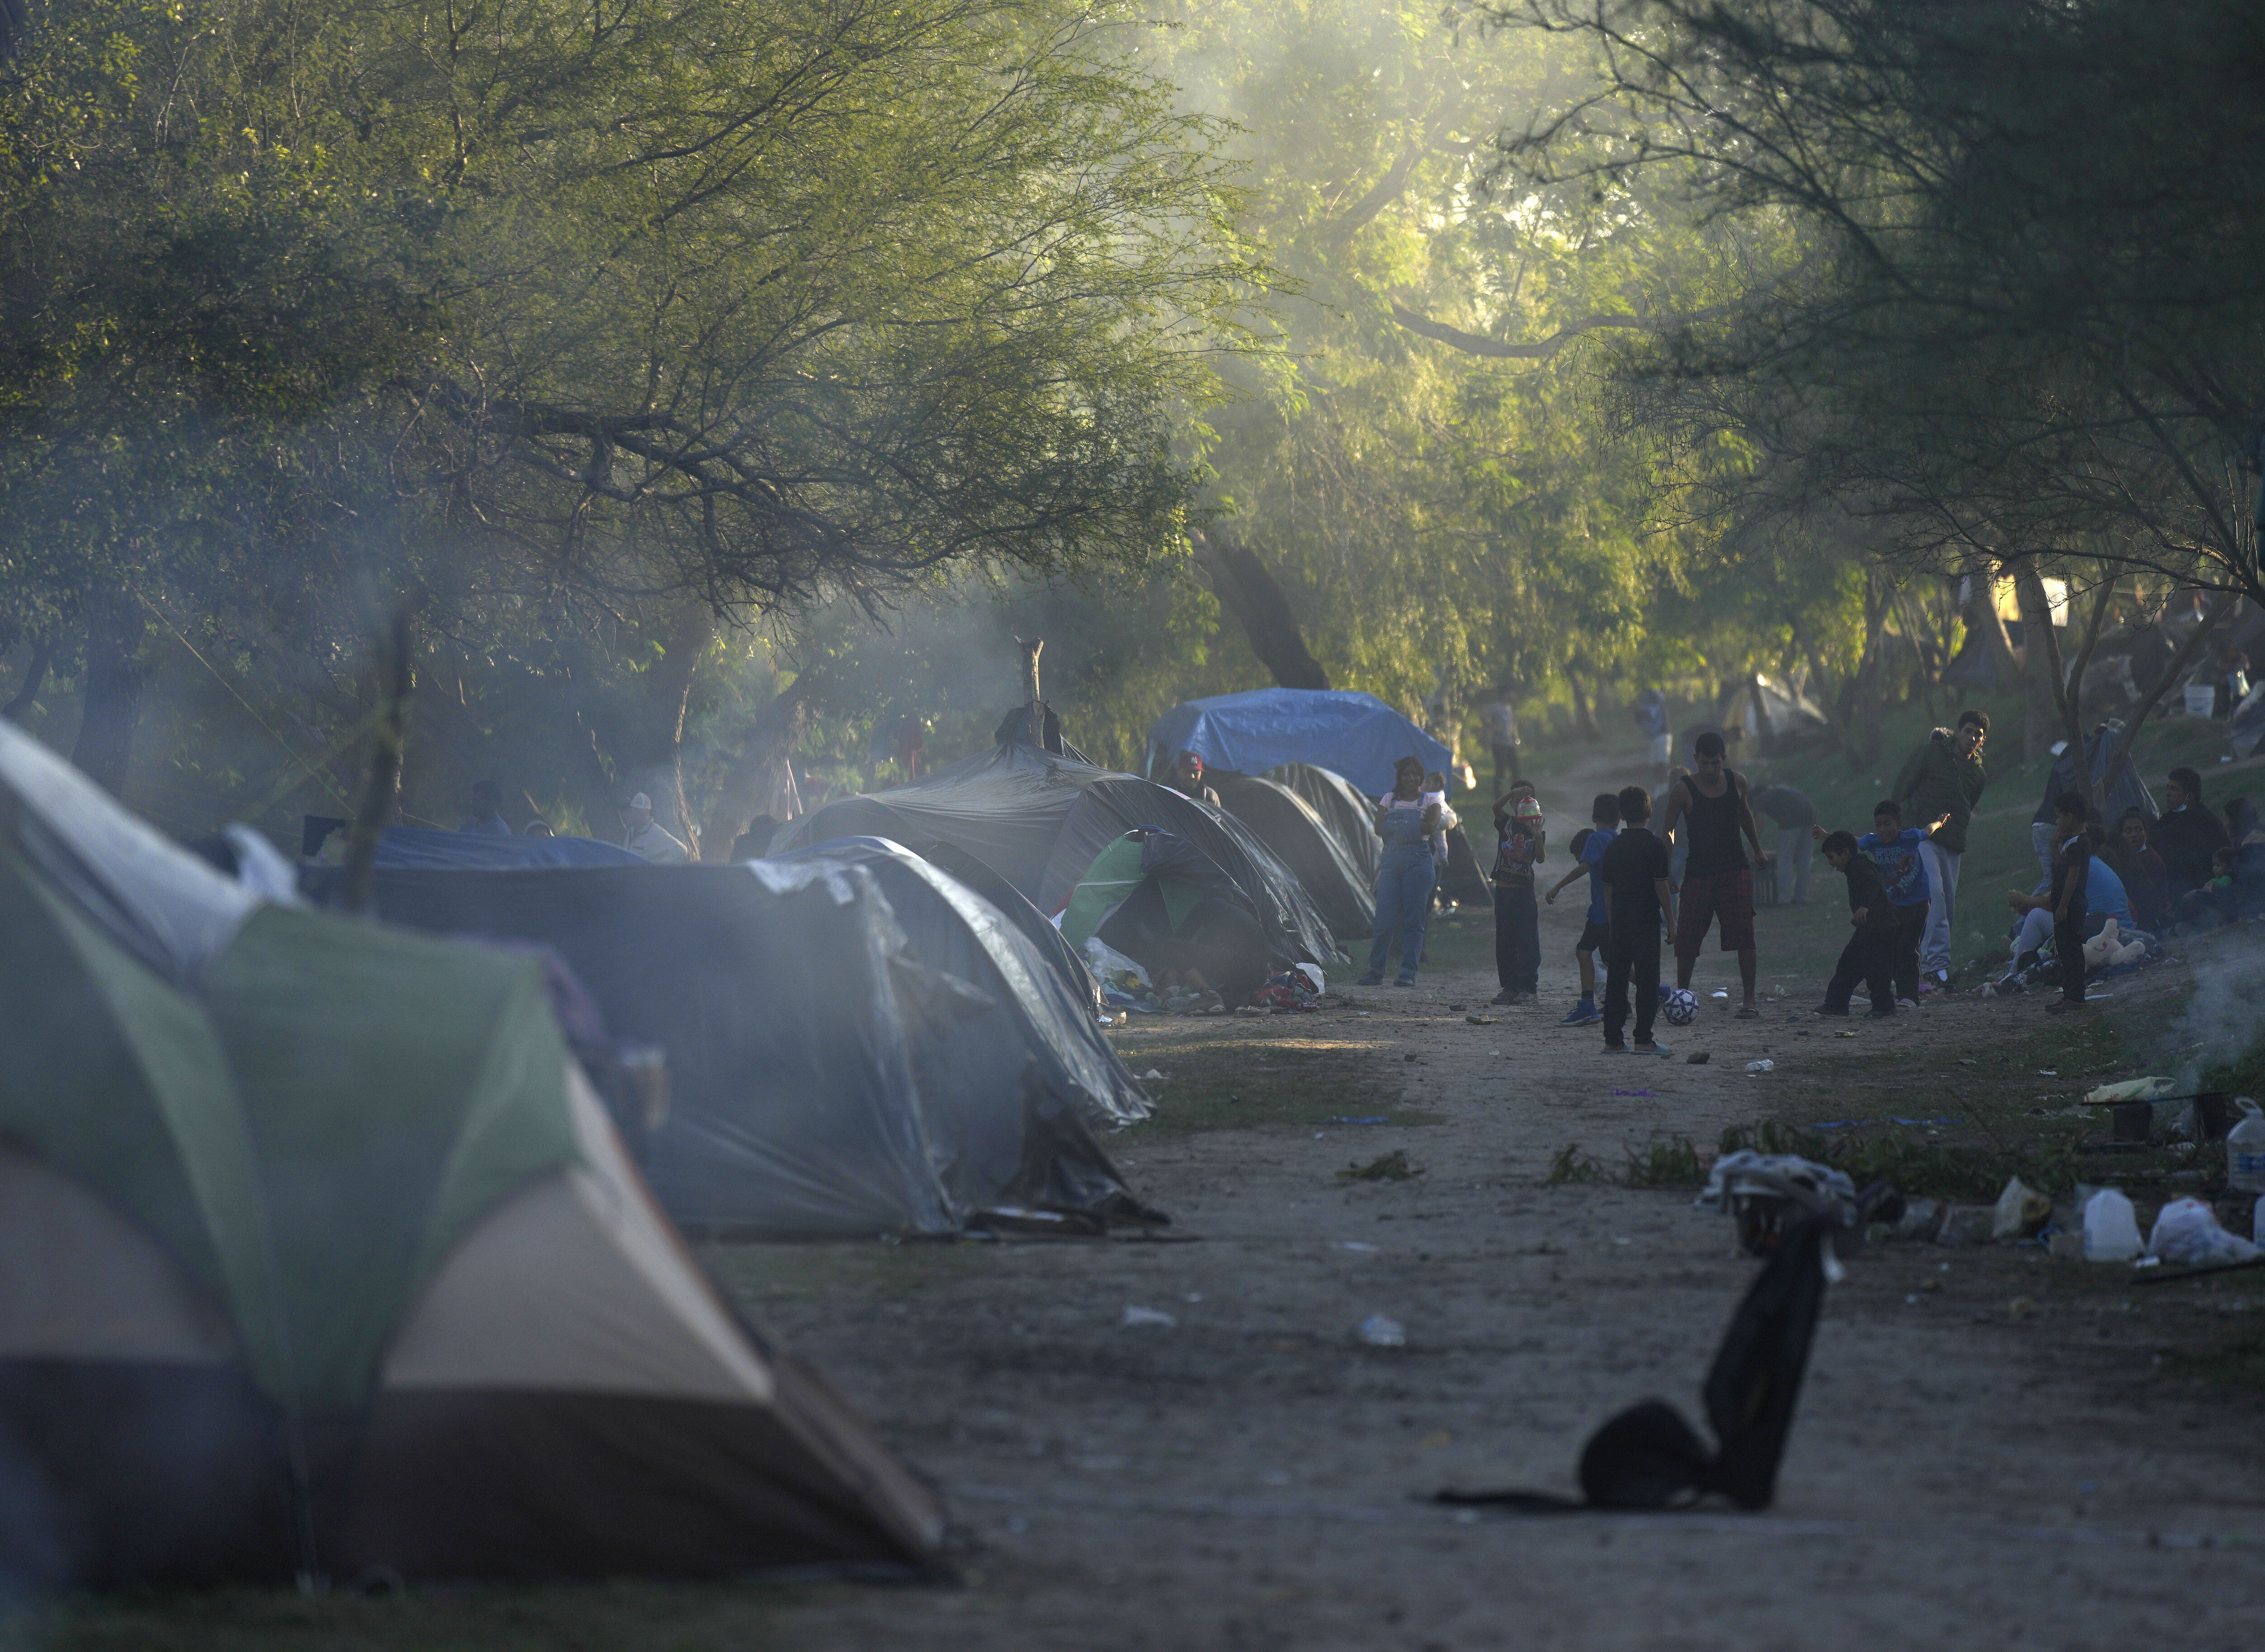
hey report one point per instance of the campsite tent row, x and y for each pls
(1039, 821)
(856, 1043)
(317, 1256)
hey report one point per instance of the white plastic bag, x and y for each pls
(1105, 961)
(2187, 1233)
(2111, 1227)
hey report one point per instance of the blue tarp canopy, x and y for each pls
(1357, 735)
(413, 847)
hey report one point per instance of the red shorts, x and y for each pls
(1728, 896)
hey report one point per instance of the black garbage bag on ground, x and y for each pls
(1648, 1457)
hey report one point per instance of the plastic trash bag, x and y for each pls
(2187, 1233)
(1106, 960)
(1765, 1192)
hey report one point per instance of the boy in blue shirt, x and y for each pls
(1588, 852)
(1894, 848)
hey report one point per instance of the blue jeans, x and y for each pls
(1403, 903)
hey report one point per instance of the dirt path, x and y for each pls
(1248, 1476)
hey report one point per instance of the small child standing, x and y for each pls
(1588, 849)
(1867, 956)
(1634, 870)
(1435, 791)
(1520, 845)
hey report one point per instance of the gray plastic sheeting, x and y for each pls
(1037, 820)
(158, 901)
(1350, 816)
(949, 927)
(823, 1081)
(1342, 891)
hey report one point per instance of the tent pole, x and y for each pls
(1031, 652)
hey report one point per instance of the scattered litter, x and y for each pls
(2048, 1073)
(1966, 1225)
(1479, 1020)
(1393, 1166)
(1354, 1244)
(1380, 1331)
(2021, 1212)
(1919, 1221)
(1765, 1192)
(1966, 1061)
(1763, 1065)
(1134, 1315)
(1844, 1034)
(2245, 1149)
(2022, 1308)
(2111, 1231)
(1697, 1058)
(2188, 1233)
(1192, 1296)
(1720, 995)
(1858, 1124)
(1151, 1074)
(1455, 1009)
(1377, 1118)
(2129, 1090)
(1633, 1092)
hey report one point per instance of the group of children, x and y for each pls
(1632, 902)
(2096, 888)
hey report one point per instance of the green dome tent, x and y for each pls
(324, 1261)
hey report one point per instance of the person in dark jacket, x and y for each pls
(2187, 834)
(1945, 776)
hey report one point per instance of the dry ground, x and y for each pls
(1252, 1476)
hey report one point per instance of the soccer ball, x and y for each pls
(1681, 1007)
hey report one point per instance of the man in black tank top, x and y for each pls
(1709, 806)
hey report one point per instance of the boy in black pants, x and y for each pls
(1588, 849)
(1869, 955)
(1634, 872)
(2072, 872)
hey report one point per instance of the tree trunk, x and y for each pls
(2180, 662)
(1866, 699)
(2069, 685)
(114, 678)
(2040, 719)
(1247, 590)
(1981, 615)
(1031, 698)
(1827, 701)
(1584, 713)
(761, 780)
(381, 796)
(35, 678)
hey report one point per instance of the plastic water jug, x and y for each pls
(2245, 1149)
(2111, 1228)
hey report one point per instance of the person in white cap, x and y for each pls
(648, 840)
